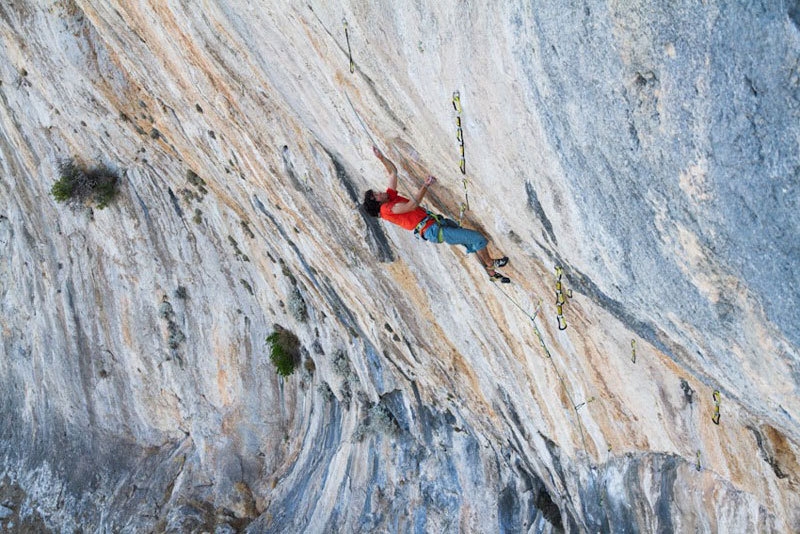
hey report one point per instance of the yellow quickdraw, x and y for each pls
(561, 299)
(462, 208)
(717, 400)
(462, 164)
(457, 102)
(584, 403)
(349, 52)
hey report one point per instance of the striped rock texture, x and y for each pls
(648, 149)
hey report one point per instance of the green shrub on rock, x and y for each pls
(78, 184)
(284, 350)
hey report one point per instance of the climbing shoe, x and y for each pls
(494, 276)
(500, 262)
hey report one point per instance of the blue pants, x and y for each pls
(452, 234)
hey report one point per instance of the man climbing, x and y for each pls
(434, 228)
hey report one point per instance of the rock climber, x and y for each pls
(408, 214)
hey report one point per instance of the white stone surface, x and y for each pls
(650, 150)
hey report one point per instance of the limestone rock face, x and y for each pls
(649, 150)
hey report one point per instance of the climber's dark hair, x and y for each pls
(371, 206)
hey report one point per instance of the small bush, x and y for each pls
(77, 184)
(382, 420)
(341, 365)
(62, 189)
(379, 420)
(284, 351)
(347, 393)
(361, 430)
(297, 306)
(165, 310)
(325, 391)
(176, 337)
(196, 181)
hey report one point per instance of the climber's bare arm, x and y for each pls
(390, 168)
(412, 204)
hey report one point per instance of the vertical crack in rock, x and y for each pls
(584, 285)
(508, 510)
(794, 13)
(382, 102)
(688, 392)
(535, 206)
(395, 403)
(537, 501)
(83, 355)
(289, 168)
(666, 494)
(285, 236)
(376, 238)
(767, 455)
(175, 203)
(295, 504)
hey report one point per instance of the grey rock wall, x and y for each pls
(650, 150)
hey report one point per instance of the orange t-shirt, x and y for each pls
(409, 220)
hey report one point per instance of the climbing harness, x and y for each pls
(437, 219)
(561, 299)
(717, 400)
(633, 350)
(349, 53)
